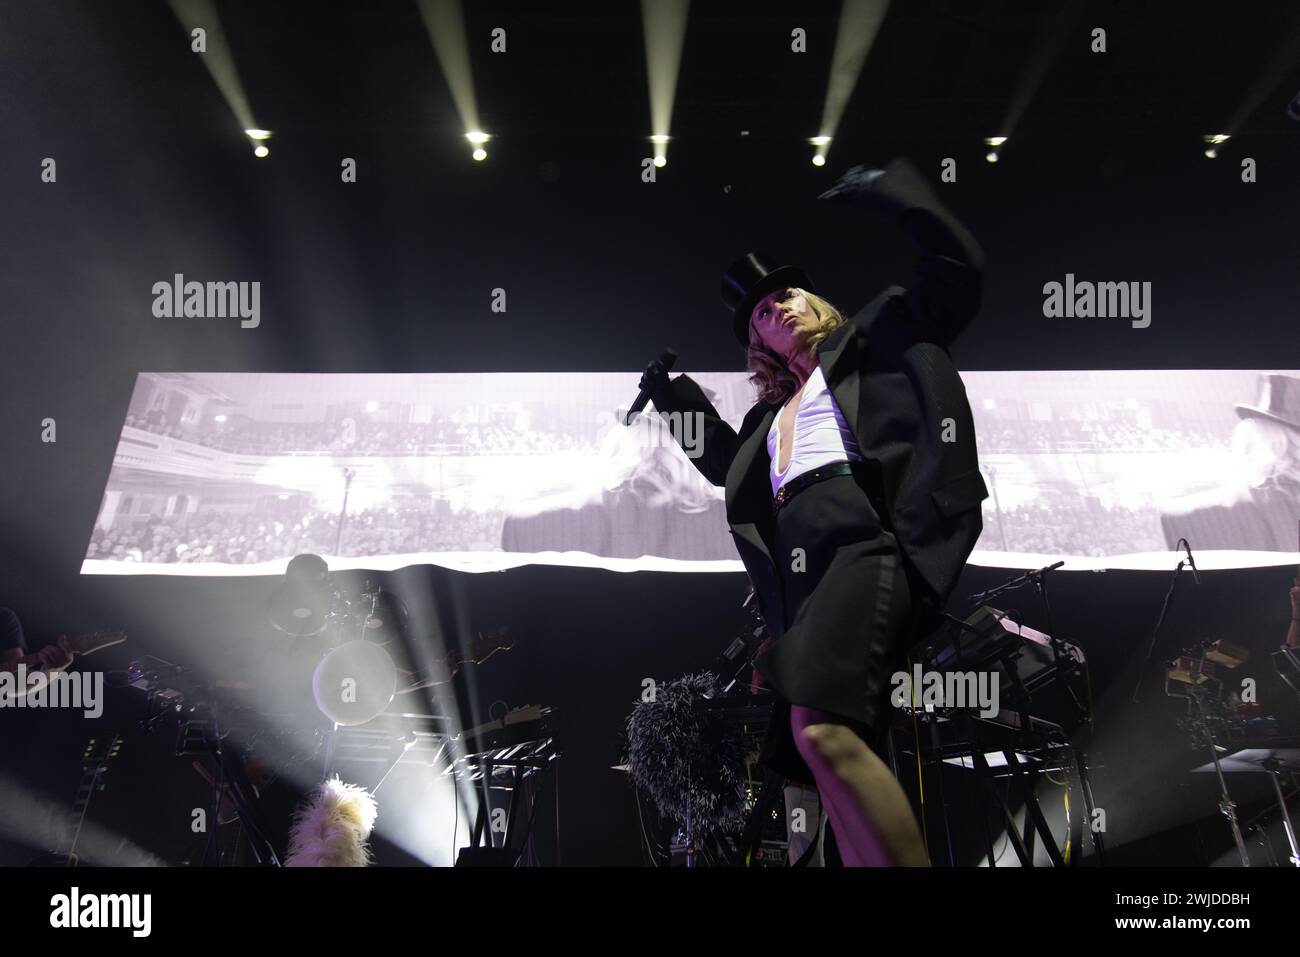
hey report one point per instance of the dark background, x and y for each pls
(1103, 177)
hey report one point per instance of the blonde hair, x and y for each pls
(1267, 452)
(768, 373)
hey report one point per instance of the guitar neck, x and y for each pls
(99, 753)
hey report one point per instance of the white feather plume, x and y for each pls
(330, 828)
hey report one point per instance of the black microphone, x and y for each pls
(1187, 547)
(650, 382)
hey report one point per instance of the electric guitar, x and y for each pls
(38, 664)
(99, 752)
(480, 650)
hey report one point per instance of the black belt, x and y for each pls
(796, 485)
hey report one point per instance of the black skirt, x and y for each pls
(848, 617)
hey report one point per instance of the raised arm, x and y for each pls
(945, 296)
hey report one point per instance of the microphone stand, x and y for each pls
(1039, 579)
(348, 475)
(1160, 620)
(231, 781)
(1196, 696)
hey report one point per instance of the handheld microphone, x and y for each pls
(649, 385)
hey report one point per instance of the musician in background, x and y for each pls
(14, 651)
(53, 657)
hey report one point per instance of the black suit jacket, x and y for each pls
(889, 370)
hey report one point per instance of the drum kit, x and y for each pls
(246, 733)
(357, 678)
(1232, 728)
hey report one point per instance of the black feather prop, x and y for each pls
(691, 763)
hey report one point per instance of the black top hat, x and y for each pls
(748, 280)
(1279, 400)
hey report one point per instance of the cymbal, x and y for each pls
(299, 609)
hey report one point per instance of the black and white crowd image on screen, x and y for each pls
(230, 473)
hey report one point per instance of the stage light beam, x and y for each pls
(1046, 49)
(202, 14)
(1271, 73)
(445, 22)
(664, 28)
(860, 21)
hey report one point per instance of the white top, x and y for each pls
(821, 434)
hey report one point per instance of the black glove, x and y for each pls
(856, 181)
